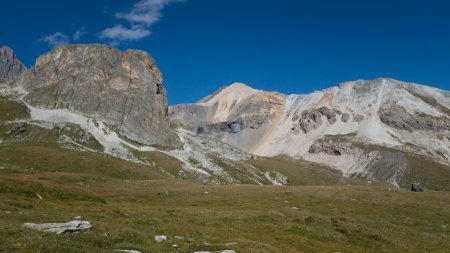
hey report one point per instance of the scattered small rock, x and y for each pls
(345, 117)
(160, 238)
(416, 187)
(222, 251)
(60, 228)
(20, 127)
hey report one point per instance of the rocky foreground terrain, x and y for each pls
(382, 130)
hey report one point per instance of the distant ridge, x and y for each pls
(10, 65)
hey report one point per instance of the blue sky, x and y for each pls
(290, 46)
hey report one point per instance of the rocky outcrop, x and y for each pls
(415, 187)
(345, 117)
(329, 113)
(397, 117)
(17, 128)
(10, 65)
(121, 89)
(235, 126)
(61, 228)
(331, 148)
(312, 118)
(358, 117)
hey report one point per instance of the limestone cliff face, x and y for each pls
(10, 65)
(121, 89)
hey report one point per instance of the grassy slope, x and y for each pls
(128, 213)
(129, 203)
(420, 169)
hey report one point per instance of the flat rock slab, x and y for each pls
(223, 251)
(60, 228)
(160, 238)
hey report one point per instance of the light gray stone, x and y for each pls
(160, 238)
(60, 228)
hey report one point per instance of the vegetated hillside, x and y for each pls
(129, 203)
(32, 143)
(370, 129)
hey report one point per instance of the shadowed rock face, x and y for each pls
(10, 66)
(122, 89)
(331, 148)
(311, 119)
(397, 117)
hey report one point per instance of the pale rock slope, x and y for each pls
(239, 115)
(364, 128)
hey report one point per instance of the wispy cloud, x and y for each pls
(119, 33)
(146, 12)
(55, 40)
(141, 17)
(78, 33)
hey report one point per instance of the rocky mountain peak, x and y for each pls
(10, 65)
(121, 89)
(383, 112)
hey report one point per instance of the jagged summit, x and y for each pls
(10, 65)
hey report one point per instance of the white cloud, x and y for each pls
(55, 40)
(141, 17)
(80, 32)
(146, 12)
(119, 33)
